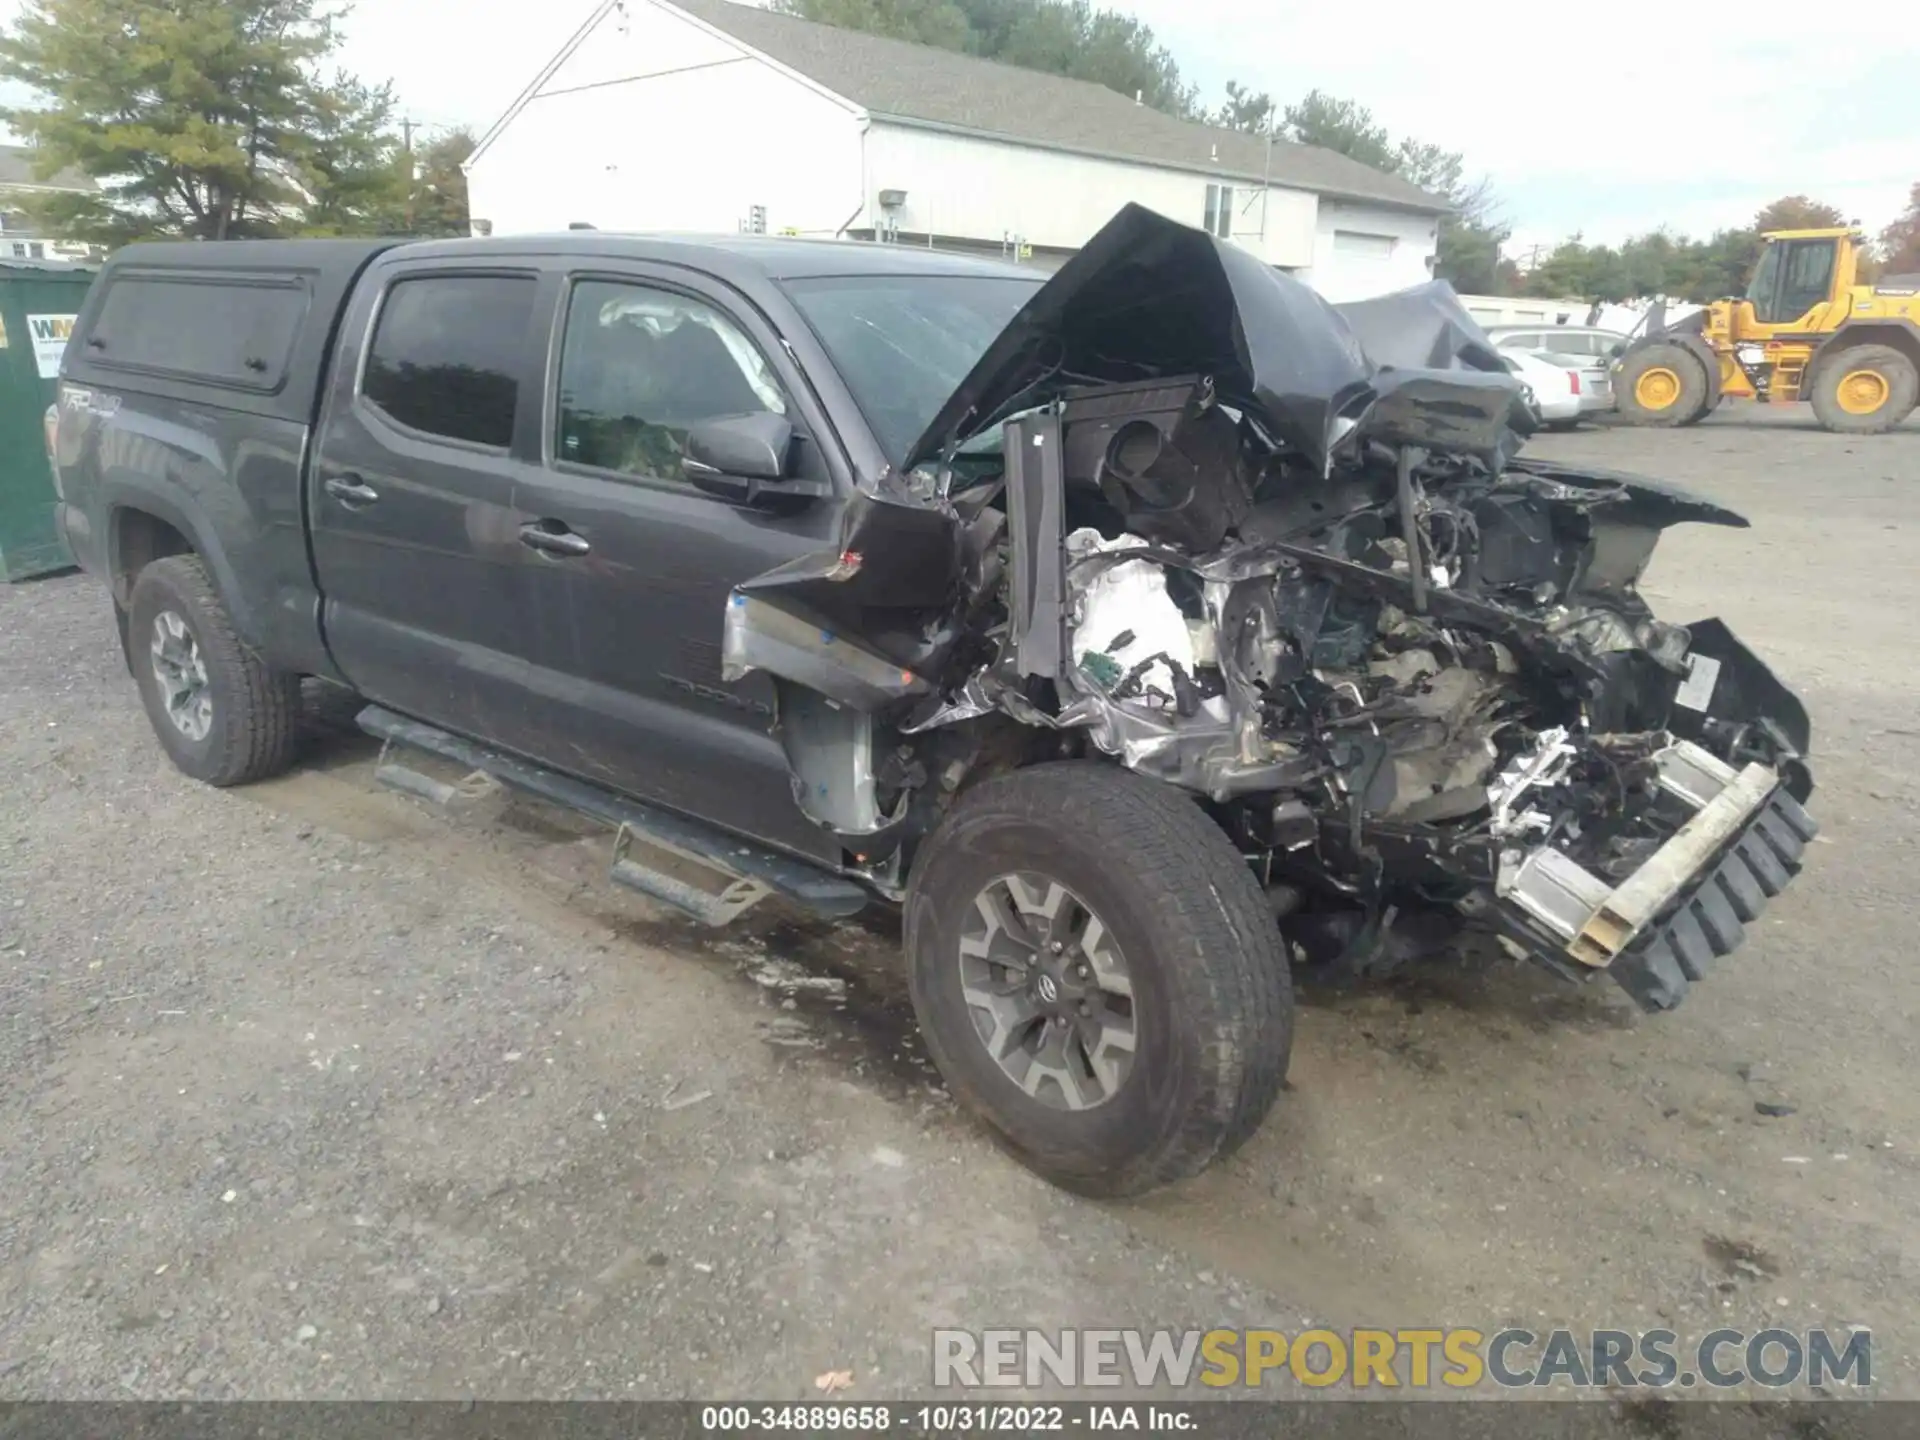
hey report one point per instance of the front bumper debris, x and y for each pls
(1687, 905)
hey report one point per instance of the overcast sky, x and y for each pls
(1603, 116)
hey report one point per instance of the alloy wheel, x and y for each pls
(182, 673)
(1048, 991)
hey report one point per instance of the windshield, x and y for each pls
(903, 343)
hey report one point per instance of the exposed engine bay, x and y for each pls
(1285, 556)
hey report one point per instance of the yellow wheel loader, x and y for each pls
(1803, 331)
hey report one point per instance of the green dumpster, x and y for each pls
(38, 300)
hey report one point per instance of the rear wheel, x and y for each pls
(221, 714)
(1865, 389)
(1098, 976)
(1661, 384)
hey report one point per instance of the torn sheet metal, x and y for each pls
(831, 751)
(810, 652)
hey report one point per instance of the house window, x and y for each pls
(1220, 211)
(1359, 242)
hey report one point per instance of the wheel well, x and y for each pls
(138, 539)
(1904, 338)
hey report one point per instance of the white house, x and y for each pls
(703, 115)
(20, 180)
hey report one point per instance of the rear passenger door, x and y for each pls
(633, 617)
(429, 420)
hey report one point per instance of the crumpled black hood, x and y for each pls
(1424, 327)
(1148, 297)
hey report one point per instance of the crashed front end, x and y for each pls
(1285, 557)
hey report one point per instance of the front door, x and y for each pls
(1793, 278)
(634, 618)
(414, 537)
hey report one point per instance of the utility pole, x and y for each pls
(1266, 184)
(406, 152)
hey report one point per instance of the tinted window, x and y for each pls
(232, 331)
(446, 355)
(641, 366)
(1563, 345)
(1764, 289)
(1809, 268)
(903, 343)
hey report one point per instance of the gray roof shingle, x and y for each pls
(16, 168)
(894, 78)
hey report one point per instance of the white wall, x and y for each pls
(1515, 310)
(656, 124)
(966, 185)
(1391, 251)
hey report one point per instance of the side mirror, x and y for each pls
(745, 458)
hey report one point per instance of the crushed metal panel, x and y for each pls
(830, 750)
(762, 636)
(1628, 909)
(1036, 505)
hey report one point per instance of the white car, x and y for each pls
(1585, 349)
(1555, 392)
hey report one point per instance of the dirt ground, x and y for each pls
(313, 1089)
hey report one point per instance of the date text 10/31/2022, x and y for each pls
(947, 1419)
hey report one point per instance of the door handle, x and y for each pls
(553, 538)
(350, 490)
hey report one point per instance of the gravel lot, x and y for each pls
(314, 1090)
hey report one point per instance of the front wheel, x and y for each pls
(1098, 976)
(1661, 384)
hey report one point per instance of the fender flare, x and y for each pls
(1863, 331)
(1709, 362)
(120, 495)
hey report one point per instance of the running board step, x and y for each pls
(710, 908)
(395, 776)
(751, 873)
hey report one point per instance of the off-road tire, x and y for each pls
(1897, 374)
(256, 709)
(1690, 394)
(1213, 999)
(1701, 411)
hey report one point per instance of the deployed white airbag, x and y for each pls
(1126, 618)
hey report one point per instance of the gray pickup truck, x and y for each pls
(1142, 632)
